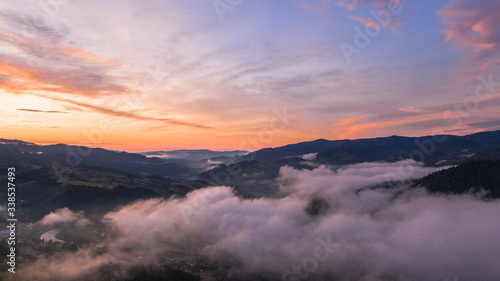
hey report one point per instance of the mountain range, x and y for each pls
(199, 154)
(98, 180)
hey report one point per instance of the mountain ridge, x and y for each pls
(490, 138)
(83, 178)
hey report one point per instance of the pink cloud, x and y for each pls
(378, 4)
(370, 22)
(386, 13)
(473, 24)
(349, 4)
(411, 109)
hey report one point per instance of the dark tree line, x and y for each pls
(471, 176)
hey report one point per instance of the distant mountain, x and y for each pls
(252, 174)
(486, 138)
(432, 150)
(14, 142)
(95, 180)
(199, 154)
(201, 159)
(98, 180)
(18, 153)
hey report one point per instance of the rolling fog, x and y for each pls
(327, 223)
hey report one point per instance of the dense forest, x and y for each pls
(471, 176)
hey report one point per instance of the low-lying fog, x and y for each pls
(326, 222)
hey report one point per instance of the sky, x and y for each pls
(245, 74)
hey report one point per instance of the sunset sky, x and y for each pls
(245, 74)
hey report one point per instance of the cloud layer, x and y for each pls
(65, 216)
(326, 224)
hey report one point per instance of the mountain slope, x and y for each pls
(64, 157)
(471, 176)
(430, 149)
(41, 190)
(253, 175)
